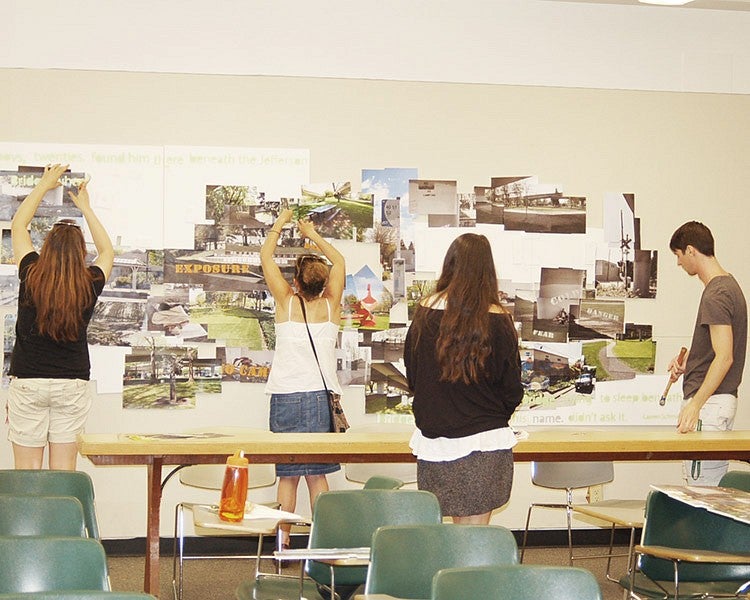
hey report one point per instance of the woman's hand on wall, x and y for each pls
(306, 228)
(81, 200)
(51, 177)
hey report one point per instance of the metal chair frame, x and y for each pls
(577, 475)
(211, 477)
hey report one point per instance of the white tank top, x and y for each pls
(294, 368)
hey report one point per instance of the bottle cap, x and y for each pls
(238, 459)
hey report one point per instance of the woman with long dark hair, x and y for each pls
(49, 397)
(464, 369)
(299, 402)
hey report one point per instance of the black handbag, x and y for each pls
(339, 424)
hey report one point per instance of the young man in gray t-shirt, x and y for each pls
(713, 366)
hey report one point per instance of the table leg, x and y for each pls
(151, 576)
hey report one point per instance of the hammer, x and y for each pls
(672, 378)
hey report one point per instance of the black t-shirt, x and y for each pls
(41, 356)
(453, 410)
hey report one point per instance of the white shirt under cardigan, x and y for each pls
(444, 449)
(294, 368)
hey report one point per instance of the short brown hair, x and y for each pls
(695, 234)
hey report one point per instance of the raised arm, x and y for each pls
(19, 227)
(337, 275)
(105, 251)
(278, 286)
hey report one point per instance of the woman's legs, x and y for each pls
(28, 457)
(483, 519)
(287, 498)
(63, 456)
(315, 485)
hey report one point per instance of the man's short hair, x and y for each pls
(695, 234)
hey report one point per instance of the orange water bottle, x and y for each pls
(234, 489)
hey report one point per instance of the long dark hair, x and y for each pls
(468, 285)
(59, 284)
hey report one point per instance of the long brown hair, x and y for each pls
(468, 285)
(59, 284)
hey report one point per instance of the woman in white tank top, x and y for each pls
(298, 398)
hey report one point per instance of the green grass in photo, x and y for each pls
(591, 357)
(157, 396)
(360, 213)
(237, 326)
(638, 355)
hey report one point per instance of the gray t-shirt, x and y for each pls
(722, 303)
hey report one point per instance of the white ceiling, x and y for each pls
(702, 4)
(610, 44)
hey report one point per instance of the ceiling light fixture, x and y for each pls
(666, 2)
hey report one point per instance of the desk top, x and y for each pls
(560, 443)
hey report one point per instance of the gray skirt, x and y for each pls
(470, 485)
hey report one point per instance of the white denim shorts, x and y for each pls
(47, 410)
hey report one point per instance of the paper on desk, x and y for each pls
(258, 518)
(260, 511)
(323, 553)
(141, 437)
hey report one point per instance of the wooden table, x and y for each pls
(624, 444)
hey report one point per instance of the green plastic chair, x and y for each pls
(515, 582)
(739, 480)
(346, 519)
(46, 564)
(382, 482)
(41, 515)
(404, 559)
(43, 482)
(678, 530)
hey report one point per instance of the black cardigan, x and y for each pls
(454, 410)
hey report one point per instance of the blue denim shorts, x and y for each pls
(301, 412)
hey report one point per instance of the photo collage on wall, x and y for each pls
(194, 313)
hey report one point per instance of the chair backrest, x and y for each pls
(739, 480)
(676, 524)
(45, 564)
(348, 519)
(571, 475)
(404, 559)
(43, 482)
(211, 477)
(361, 472)
(41, 515)
(381, 482)
(515, 582)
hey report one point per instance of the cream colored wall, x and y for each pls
(684, 156)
